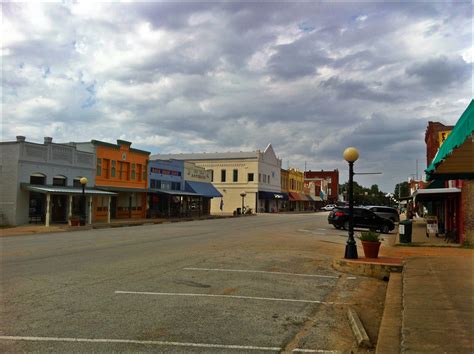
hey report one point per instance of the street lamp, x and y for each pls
(351, 155)
(83, 181)
(243, 194)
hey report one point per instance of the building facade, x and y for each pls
(41, 182)
(248, 179)
(331, 181)
(123, 170)
(435, 134)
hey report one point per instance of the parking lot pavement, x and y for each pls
(251, 289)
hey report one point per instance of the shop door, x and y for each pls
(113, 207)
(58, 208)
(267, 206)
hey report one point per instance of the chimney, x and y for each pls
(48, 140)
(20, 139)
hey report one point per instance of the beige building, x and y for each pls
(254, 174)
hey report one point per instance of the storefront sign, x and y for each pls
(442, 136)
(197, 174)
(165, 172)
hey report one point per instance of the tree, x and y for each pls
(402, 190)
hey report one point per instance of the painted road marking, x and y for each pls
(230, 297)
(264, 272)
(155, 342)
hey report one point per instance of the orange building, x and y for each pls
(123, 170)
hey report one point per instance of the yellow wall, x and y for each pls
(296, 180)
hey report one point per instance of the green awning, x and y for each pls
(463, 130)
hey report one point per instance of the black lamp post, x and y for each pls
(351, 155)
(243, 194)
(83, 181)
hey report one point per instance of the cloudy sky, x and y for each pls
(310, 78)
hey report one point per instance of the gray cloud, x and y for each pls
(312, 78)
(441, 71)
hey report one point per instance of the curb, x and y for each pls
(379, 268)
(358, 329)
(389, 337)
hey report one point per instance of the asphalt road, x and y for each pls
(261, 283)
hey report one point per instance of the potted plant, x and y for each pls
(74, 220)
(370, 243)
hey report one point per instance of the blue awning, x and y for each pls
(202, 188)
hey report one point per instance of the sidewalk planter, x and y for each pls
(74, 221)
(371, 244)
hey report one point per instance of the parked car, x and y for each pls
(339, 218)
(385, 212)
(328, 207)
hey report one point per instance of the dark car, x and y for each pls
(363, 217)
(385, 212)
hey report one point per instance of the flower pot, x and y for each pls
(371, 249)
(74, 222)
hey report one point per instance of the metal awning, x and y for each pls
(426, 194)
(123, 190)
(63, 190)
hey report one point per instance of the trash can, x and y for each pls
(404, 230)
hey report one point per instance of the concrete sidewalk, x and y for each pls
(429, 308)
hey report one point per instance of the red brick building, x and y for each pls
(435, 135)
(332, 178)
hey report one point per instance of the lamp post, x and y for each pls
(83, 181)
(351, 155)
(243, 194)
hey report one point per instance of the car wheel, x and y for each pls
(346, 225)
(385, 229)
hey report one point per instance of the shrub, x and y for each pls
(369, 236)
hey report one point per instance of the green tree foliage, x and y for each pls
(402, 190)
(366, 196)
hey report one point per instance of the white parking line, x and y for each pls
(264, 272)
(229, 296)
(154, 342)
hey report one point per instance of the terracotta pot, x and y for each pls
(74, 222)
(371, 249)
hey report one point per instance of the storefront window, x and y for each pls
(99, 167)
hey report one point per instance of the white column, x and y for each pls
(89, 218)
(69, 212)
(108, 208)
(48, 209)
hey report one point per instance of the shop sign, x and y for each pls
(165, 172)
(197, 174)
(442, 135)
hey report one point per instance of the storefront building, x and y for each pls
(41, 183)
(122, 170)
(179, 189)
(451, 172)
(248, 179)
(331, 183)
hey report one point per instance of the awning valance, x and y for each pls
(434, 193)
(122, 189)
(202, 188)
(173, 192)
(272, 195)
(454, 157)
(63, 190)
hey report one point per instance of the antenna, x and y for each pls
(305, 166)
(417, 169)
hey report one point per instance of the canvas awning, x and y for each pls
(173, 192)
(63, 190)
(204, 189)
(454, 159)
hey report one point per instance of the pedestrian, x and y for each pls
(222, 204)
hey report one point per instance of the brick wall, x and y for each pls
(333, 183)
(467, 208)
(432, 139)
